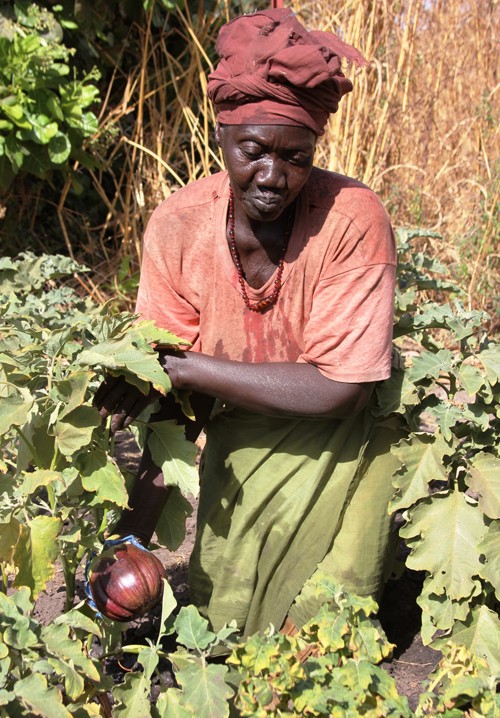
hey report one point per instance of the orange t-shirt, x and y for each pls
(335, 308)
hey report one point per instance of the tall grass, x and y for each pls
(421, 127)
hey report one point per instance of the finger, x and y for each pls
(118, 399)
(109, 383)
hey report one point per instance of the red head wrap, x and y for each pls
(274, 71)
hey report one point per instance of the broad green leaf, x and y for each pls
(122, 354)
(75, 430)
(439, 613)
(32, 481)
(484, 479)
(9, 536)
(174, 455)
(18, 629)
(489, 551)
(490, 359)
(422, 458)
(447, 415)
(132, 697)
(168, 604)
(205, 689)
(36, 551)
(101, 475)
(192, 629)
(74, 683)
(59, 148)
(470, 378)
(170, 704)
(41, 699)
(368, 641)
(430, 365)
(171, 526)
(153, 334)
(78, 620)
(14, 411)
(68, 649)
(443, 533)
(148, 658)
(395, 394)
(72, 391)
(332, 630)
(480, 633)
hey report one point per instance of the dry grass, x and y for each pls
(421, 126)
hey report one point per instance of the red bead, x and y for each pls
(269, 301)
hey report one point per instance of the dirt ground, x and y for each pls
(399, 613)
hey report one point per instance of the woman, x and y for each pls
(281, 276)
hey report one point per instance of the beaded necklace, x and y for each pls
(269, 301)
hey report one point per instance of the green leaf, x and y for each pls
(484, 479)
(471, 378)
(490, 359)
(171, 526)
(192, 629)
(395, 394)
(68, 649)
(9, 536)
(122, 356)
(489, 551)
(75, 430)
(443, 534)
(422, 458)
(36, 552)
(480, 633)
(205, 689)
(59, 148)
(132, 697)
(100, 474)
(447, 415)
(174, 455)
(33, 480)
(430, 365)
(14, 410)
(171, 704)
(39, 698)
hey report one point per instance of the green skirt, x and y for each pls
(282, 500)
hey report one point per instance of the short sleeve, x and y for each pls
(349, 333)
(157, 297)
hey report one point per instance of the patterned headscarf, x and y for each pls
(274, 71)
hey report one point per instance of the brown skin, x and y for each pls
(268, 166)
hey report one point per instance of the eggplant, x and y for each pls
(126, 581)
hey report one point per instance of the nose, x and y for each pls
(271, 174)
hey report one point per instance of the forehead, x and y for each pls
(282, 136)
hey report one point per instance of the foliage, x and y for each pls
(44, 115)
(447, 487)
(60, 483)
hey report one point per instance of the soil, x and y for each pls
(399, 613)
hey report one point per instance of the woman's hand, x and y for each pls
(124, 402)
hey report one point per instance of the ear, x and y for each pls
(218, 134)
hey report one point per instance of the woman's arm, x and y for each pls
(277, 389)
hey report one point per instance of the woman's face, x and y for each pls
(267, 164)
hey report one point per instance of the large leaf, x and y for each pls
(132, 697)
(395, 394)
(9, 536)
(422, 458)
(75, 431)
(122, 354)
(175, 456)
(484, 479)
(36, 552)
(443, 534)
(39, 698)
(100, 474)
(490, 359)
(480, 633)
(171, 526)
(192, 629)
(205, 689)
(489, 551)
(430, 365)
(171, 704)
(14, 410)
